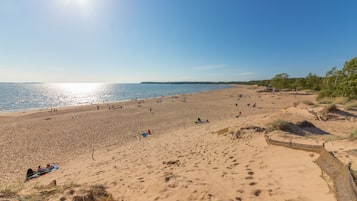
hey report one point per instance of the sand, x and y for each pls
(181, 160)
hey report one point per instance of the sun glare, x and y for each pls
(79, 88)
(82, 4)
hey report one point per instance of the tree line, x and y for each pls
(336, 83)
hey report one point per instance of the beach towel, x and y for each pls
(144, 134)
(201, 122)
(31, 174)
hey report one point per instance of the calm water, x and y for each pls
(19, 97)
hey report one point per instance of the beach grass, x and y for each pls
(45, 192)
(308, 102)
(10, 190)
(351, 105)
(353, 135)
(279, 124)
(325, 101)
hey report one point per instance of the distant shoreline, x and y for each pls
(233, 82)
(42, 109)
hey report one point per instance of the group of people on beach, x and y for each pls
(40, 171)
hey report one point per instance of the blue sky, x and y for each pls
(122, 41)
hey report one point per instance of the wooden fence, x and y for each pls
(344, 184)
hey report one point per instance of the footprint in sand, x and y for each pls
(257, 192)
(248, 178)
(252, 183)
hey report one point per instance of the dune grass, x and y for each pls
(353, 135)
(325, 101)
(351, 105)
(11, 190)
(308, 102)
(45, 192)
(278, 124)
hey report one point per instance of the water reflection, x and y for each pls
(79, 89)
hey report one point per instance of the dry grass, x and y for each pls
(333, 138)
(70, 191)
(285, 126)
(351, 105)
(341, 100)
(325, 101)
(329, 108)
(277, 125)
(307, 102)
(353, 135)
(11, 190)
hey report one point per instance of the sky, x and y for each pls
(130, 41)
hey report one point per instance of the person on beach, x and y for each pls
(149, 132)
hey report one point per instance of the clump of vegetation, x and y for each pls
(353, 135)
(307, 102)
(351, 105)
(277, 125)
(329, 108)
(285, 126)
(70, 191)
(11, 190)
(325, 101)
(333, 138)
(341, 100)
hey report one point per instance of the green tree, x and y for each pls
(348, 83)
(312, 81)
(280, 81)
(300, 83)
(341, 82)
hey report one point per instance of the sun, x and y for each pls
(83, 4)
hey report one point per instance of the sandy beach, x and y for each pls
(181, 159)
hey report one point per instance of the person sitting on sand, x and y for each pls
(29, 173)
(200, 121)
(41, 170)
